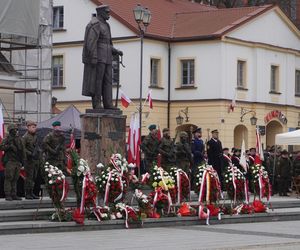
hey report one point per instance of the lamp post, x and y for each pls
(253, 119)
(142, 17)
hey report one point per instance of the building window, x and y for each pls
(58, 71)
(297, 82)
(154, 72)
(187, 72)
(241, 74)
(58, 17)
(115, 70)
(274, 84)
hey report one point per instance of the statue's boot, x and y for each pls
(96, 102)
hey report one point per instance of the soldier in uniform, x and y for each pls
(33, 157)
(167, 151)
(97, 58)
(184, 157)
(283, 173)
(54, 147)
(14, 158)
(150, 147)
(215, 153)
(197, 147)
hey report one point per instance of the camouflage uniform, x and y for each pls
(54, 148)
(150, 146)
(167, 151)
(183, 153)
(32, 163)
(14, 158)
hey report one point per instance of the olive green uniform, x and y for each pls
(32, 163)
(283, 174)
(167, 151)
(183, 156)
(54, 148)
(13, 160)
(150, 146)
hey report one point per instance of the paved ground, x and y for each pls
(270, 235)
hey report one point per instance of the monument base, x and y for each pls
(103, 134)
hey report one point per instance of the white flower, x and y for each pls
(155, 178)
(50, 182)
(112, 216)
(197, 183)
(46, 169)
(226, 175)
(58, 178)
(80, 168)
(49, 175)
(119, 215)
(103, 182)
(100, 165)
(226, 181)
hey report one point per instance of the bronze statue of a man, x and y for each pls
(97, 57)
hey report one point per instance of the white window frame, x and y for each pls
(297, 82)
(60, 72)
(155, 72)
(274, 78)
(241, 73)
(190, 72)
(58, 17)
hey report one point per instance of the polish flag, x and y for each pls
(232, 104)
(243, 161)
(149, 99)
(125, 100)
(159, 132)
(68, 155)
(1, 136)
(134, 140)
(259, 157)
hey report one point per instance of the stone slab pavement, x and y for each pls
(267, 235)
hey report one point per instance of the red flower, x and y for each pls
(78, 217)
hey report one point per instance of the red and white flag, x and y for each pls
(125, 100)
(149, 99)
(159, 132)
(232, 104)
(243, 160)
(72, 140)
(259, 150)
(134, 140)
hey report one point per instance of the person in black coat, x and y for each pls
(215, 153)
(197, 147)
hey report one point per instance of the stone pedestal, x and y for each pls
(103, 133)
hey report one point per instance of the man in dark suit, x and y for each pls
(97, 58)
(215, 153)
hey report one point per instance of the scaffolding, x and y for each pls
(30, 61)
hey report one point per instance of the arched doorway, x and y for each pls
(273, 127)
(240, 132)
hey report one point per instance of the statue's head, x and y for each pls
(103, 11)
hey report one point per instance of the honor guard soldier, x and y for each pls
(150, 147)
(184, 157)
(32, 160)
(14, 158)
(197, 147)
(215, 153)
(167, 151)
(54, 147)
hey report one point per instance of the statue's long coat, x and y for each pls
(97, 48)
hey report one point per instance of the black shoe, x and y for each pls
(8, 198)
(16, 198)
(28, 197)
(35, 197)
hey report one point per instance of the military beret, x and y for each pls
(224, 149)
(197, 130)
(166, 130)
(102, 7)
(29, 123)
(152, 126)
(56, 123)
(215, 131)
(11, 126)
(284, 152)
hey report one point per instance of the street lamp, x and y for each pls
(142, 17)
(253, 119)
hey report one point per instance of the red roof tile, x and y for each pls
(182, 19)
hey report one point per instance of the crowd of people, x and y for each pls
(188, 154)
(26, 155)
